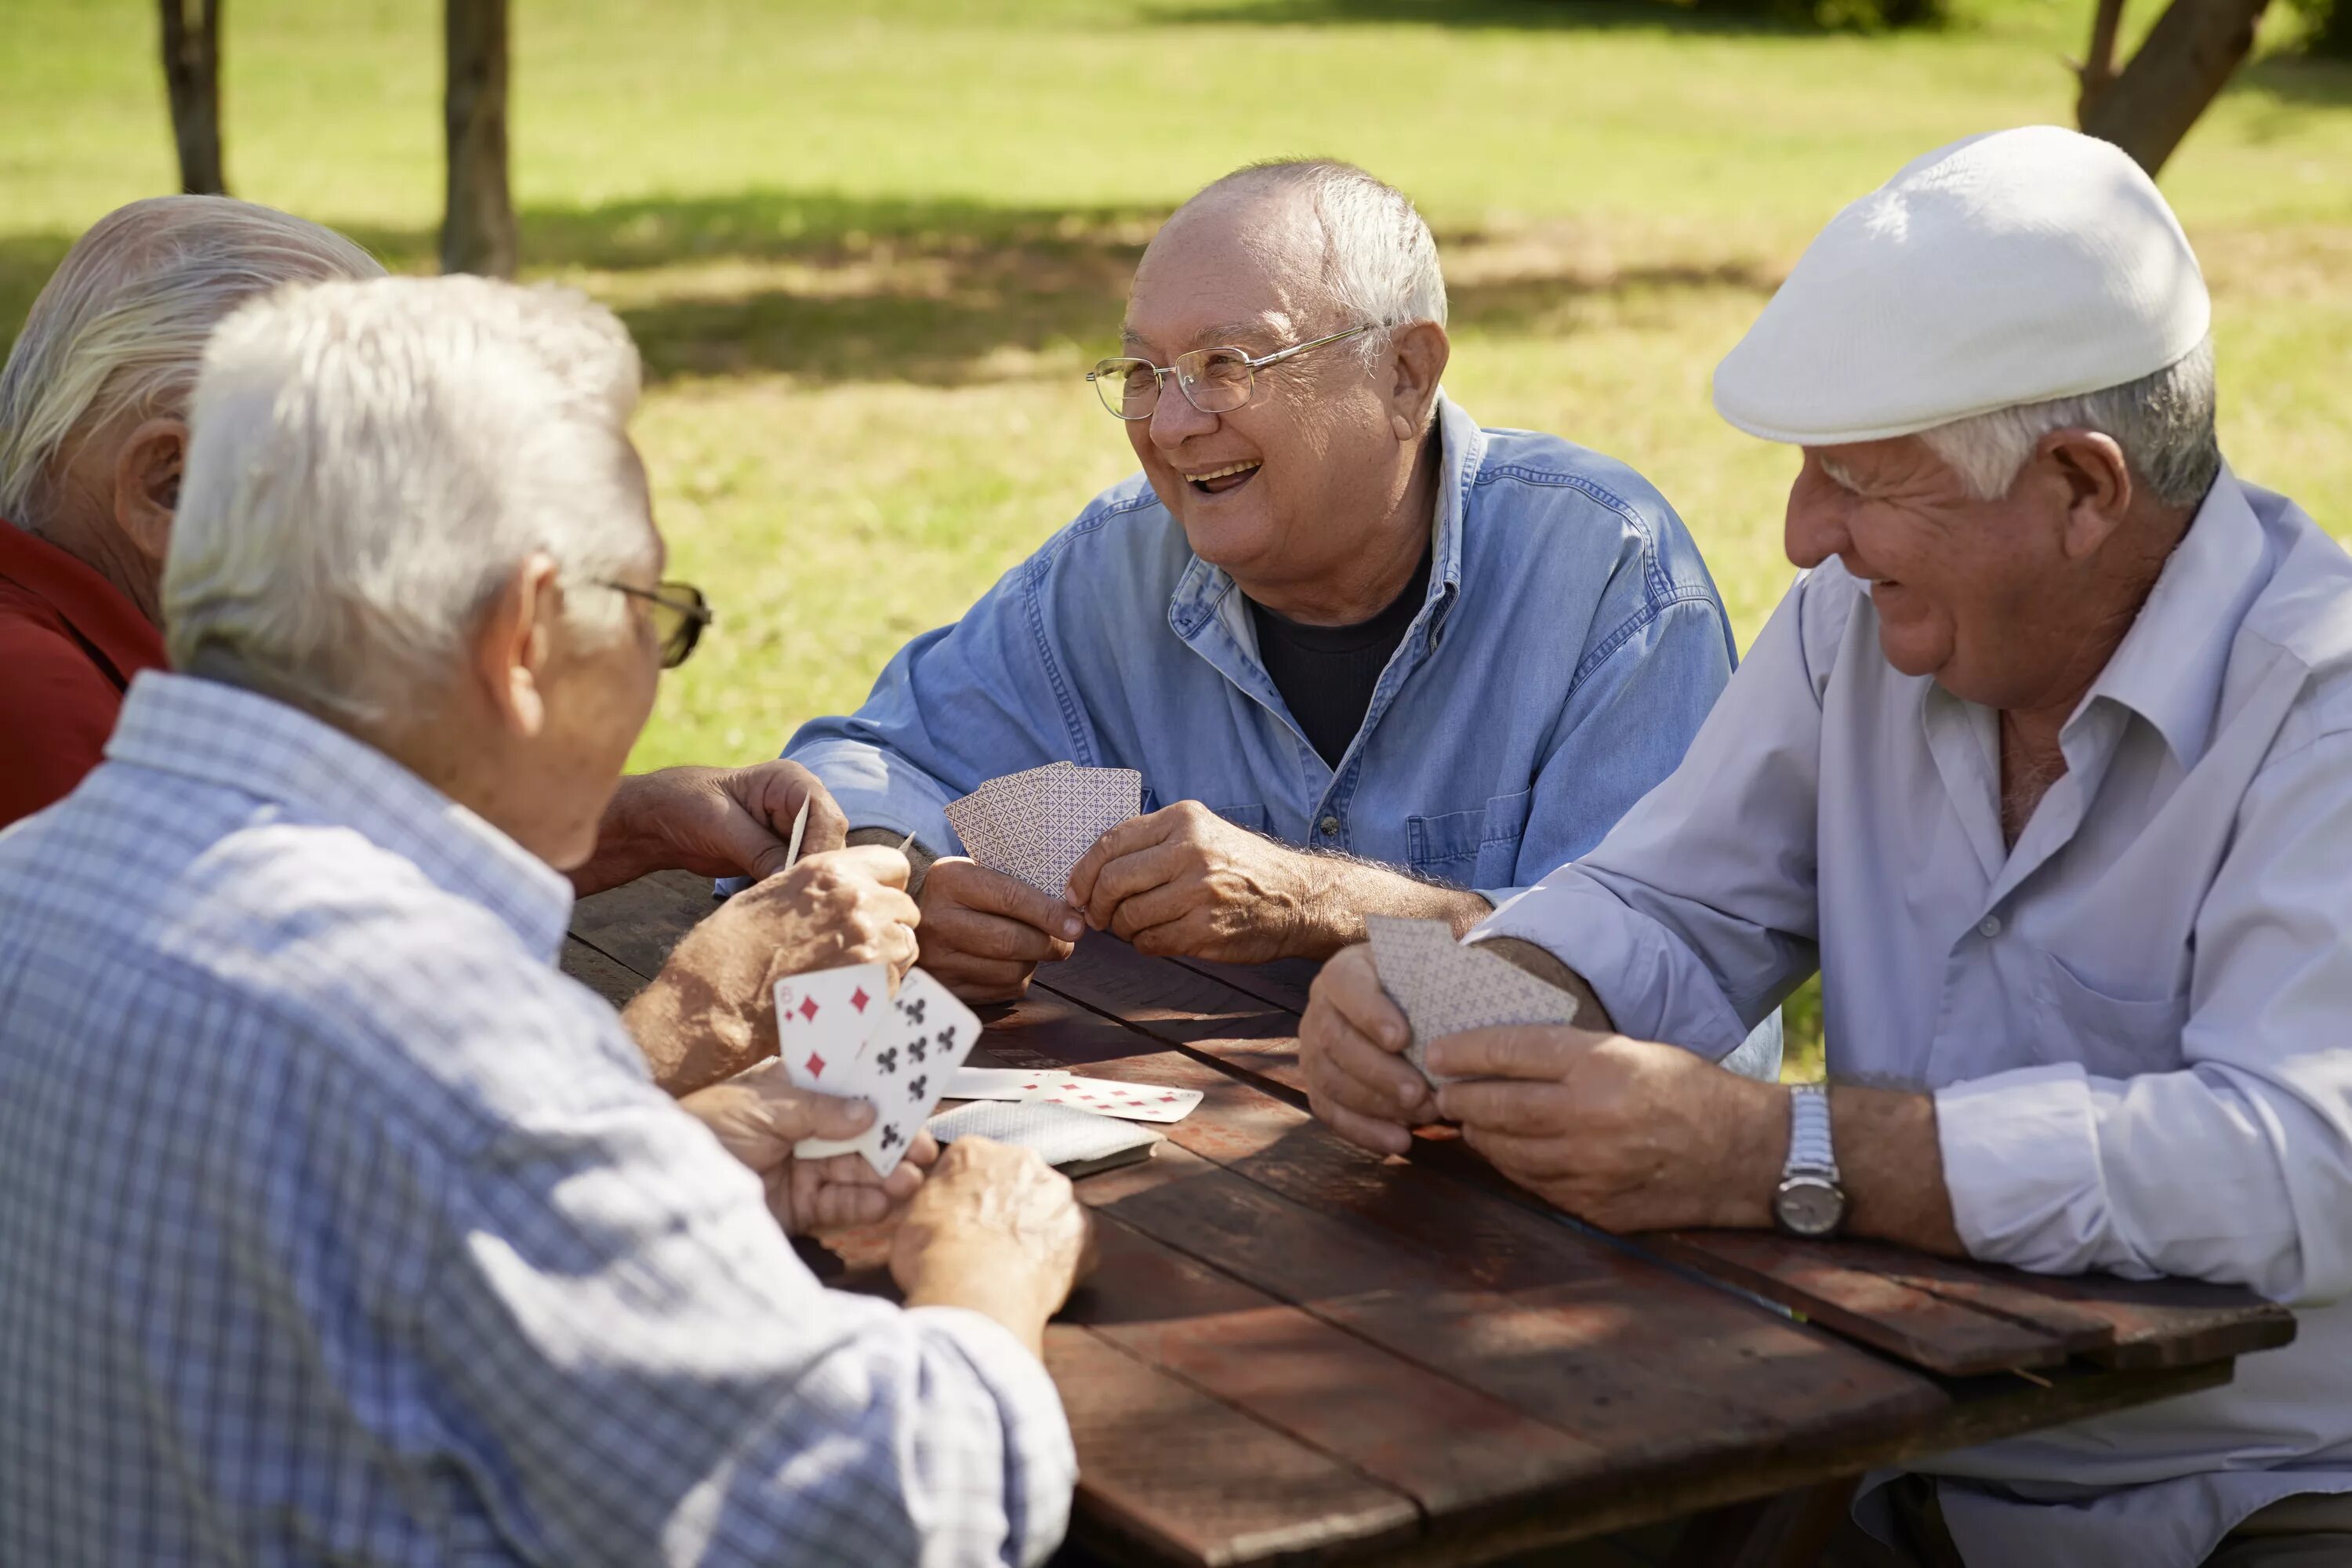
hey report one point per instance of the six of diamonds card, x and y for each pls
(841, 1032)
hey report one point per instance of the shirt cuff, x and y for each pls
(876, 790)
(2021, 1167)
(1041, 1460)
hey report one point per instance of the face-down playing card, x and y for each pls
(1037, 824)
(1445, 988)
(1056, 1086)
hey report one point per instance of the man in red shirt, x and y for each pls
(93, 436)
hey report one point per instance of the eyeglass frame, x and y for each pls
(694, 615)
(1160, 373)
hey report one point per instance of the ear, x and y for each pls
(512, 642)
(2098, 486)
(147, 484)
(1419, 356)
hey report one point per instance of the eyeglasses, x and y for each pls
(1214, 380)
(679, 612)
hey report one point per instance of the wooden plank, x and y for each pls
(2175, 1322)
(1948, 1336)
(1285, 982)
(1181, 1006)
(637, 923)
(1169, 1474)
(608, 977)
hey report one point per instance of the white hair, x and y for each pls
(1380, 261)
(120, 327)
(2163, 422)
(370, 462)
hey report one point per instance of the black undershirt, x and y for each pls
(1326, 674)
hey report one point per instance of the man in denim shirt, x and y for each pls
(1367, 656)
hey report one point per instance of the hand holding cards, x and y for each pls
(1035, 826)
(841, 1032)
(1445, 988)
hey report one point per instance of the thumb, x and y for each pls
(822, 1116)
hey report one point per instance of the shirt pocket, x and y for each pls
(1251, 817)
(1476, 849)
(2111, 1037)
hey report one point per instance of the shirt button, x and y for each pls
(1989, 926)
(1329, 827)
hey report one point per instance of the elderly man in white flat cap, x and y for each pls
(2046, 765)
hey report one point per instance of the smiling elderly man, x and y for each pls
(93, 438)
(335, 1224)
(1367, 656)
(2046, 765)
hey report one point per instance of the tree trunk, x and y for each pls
(2180, 70)
(2097, 71)
(192, 77)
(478, 234)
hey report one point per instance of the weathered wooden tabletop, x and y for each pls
(1296, 1351)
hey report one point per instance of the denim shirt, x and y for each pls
(1569, 645)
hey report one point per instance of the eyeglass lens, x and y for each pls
(1216, 381)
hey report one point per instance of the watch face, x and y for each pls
(1809, 1205)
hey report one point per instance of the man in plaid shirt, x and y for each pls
(335, 1224)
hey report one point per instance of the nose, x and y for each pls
(1175, 421)
(1816, 526)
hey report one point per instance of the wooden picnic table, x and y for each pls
(1296, 1351)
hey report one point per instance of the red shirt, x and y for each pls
(69, 644)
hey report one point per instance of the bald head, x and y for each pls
(116, 335)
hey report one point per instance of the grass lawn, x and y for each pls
(867, 248)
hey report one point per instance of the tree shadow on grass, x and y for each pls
(1553, 15)
(2298, 79)
(937, 292)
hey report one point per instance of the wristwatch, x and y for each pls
(1809, 1201)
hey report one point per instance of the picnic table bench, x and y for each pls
(1296, 1351)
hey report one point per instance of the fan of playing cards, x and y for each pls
(841, 1032)
(1445, 988)
(1036, 826)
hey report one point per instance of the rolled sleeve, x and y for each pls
(2022, 1162)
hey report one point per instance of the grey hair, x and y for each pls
(1380, 260)
(120, 327)
(370, 462)
(2163, 422)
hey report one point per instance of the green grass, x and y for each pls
(865, 249)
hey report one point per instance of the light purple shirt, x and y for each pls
(2134, 1021)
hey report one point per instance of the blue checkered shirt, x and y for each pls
(336, 1226)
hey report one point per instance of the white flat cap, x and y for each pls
(2012, 268)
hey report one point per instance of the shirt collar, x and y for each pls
(2170, 667)
(91, 605)
(244, 740)
(1202, 589)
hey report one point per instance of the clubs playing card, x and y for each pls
(923, 1037)
(1038, 825)
(1071, 1140)
(1445, 988)
(1104, 1097)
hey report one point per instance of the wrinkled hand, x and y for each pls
(1184, 882)
(995, 1229)
(984, 933)
(713, 822)
(1352, 1043)
(1627, 1134)
(711, 1010)
(758, 1116)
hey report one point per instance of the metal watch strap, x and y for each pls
(1811, 1151)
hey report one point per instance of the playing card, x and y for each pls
(1445, 988)
(1104, 1097)
(1037, 824)
(800, 826)
(824, 1019)
(1071, 1140)
(923, 1037)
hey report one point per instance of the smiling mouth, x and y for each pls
(1224, 481)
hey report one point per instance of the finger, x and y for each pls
(828, 828)
(796, 1114)
(1509, 1106)
(1526, 1051)
(1126, 838)
(923, 1154)
(988, 936)
(1366, 1079)
(1523, 1158)
(1163, 905)
(1133, 874)
(1364, 1131)
(1351, 987)
(975, 887)
(835, 1205)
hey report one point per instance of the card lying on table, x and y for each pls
(1038, 825)
(1445, 988)
(1055, 1086)
(842, 1033)
(1075, 1143)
